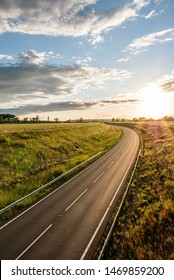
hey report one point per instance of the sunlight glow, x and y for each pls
(155, 102)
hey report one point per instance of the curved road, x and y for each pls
(69, 222)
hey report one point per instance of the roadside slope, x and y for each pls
(145, 229)
(33, 154)
(69, 222)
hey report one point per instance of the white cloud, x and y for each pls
(151, 14)
(6, 56)
(67, 18)
(126, 59)
(163, 85)
(96, 39)
(31, 79)
(38, 58)
(151, 39)
(64, 106)
(112, 18)
(141, 3)
(142, 43)
(85, 60)
(32, 57)
(167, 82)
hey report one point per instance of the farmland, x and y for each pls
(145, 228)
(33, 154)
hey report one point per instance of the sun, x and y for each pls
(155, 102)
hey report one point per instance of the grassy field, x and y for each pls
(33, 154)
(145, 229)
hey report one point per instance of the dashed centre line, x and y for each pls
(76, 200)
(110, 164)
(98, 177)
(117, 157)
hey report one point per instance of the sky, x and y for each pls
(91, 59)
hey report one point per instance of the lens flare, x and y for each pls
(155, 102)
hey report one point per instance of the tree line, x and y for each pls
(10, 118)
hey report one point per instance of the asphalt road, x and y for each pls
(69, 222)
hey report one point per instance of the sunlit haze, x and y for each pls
(155, 102)
(87, 59)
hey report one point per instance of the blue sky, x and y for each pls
(87, 58)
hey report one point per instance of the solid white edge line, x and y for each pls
(98, 177)
(3, 210)
(76, 200)
(34, 242)
(18, 216)
(59, 188)
(97, 229)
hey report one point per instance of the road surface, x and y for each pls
(69, 222)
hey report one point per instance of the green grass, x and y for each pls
(33, 154)
(145, 229)
(31, 126)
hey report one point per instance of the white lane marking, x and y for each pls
(110, 164)
(98, 177)
(117, 156)
(34, 242)
(94, 235)
(97, 229)
(118, 146)
(59, 188)
(76, 200)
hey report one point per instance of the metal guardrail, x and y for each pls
(45, 186)
(118, 212)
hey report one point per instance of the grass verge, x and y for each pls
(34, 154)
(145, 228)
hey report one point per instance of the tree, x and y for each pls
(37, 118)
(142, 119)
(7, 118)
(169, 118)
(16, 119)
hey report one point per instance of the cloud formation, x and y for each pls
(32, 57)
(31, 79)
(63, 106)
(169, 86)
(67, 18)
(150, 15)
(167, 82)
(6, 56)
(164, 85)
(151, 39)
